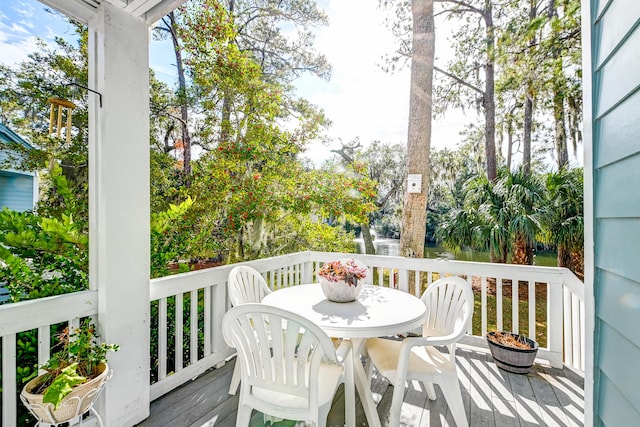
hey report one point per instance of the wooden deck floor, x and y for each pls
(544, 397)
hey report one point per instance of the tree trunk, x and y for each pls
(577, 261)
(184, 108)
(573, 260)
(528, 103)
(564, 257)
(509, 142)
(526, 136)
(369, 249)
(522, 251)
(489, 96)
(562, 151)
(414, 214)
(225, 124)
(225, 121)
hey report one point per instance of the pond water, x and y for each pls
(391, 247)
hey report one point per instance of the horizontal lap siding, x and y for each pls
(616, 410)
(616, 151)
(621, 307)
(16, 192)
(622, 126)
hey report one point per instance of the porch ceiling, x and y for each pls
(84, 10)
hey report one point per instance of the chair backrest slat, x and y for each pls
(246, 285)
(449, 302)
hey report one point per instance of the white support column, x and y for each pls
(119, 205)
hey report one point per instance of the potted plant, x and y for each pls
(342, 279)
(512, 352)
(74, 376)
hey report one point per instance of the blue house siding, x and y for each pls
(16, 187)
(615, 35)
(16, 192)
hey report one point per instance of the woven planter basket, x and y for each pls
(75, 403)
(511, 359)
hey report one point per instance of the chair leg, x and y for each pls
(244, 416)
(396, 401)
(235, 379)
(431, 392)
(349, 390)
(452, 394)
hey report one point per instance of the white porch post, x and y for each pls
(119, 205)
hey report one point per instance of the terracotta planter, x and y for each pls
(75, 403)
(512, 359)
(340, 291)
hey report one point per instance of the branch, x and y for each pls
(459, 80)
(163, 111)
(158, 28)
(464, 5)
(394, 188)
(350, 146)
(347, 158)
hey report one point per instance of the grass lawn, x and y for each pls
(507, 323)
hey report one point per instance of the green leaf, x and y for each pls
(62, 385)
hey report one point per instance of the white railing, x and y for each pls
(557, 288)
(199, 298)
(36, 315)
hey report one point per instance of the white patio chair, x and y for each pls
(244, 285)
(449, 304)
(290, 368)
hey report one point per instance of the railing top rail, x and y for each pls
(576, 285)
(434, 264)
(163, 287)
(170, 285)
(26, 315)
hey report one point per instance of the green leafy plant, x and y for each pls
(76, 362)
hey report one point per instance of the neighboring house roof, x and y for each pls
(7, 135)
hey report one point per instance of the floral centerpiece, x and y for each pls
(341, 280)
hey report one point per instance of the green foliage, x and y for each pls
(563, 211)
(44, 256)
(62, 385)
(511, 214)
(75, 361)
(171, 237)
(495, 215)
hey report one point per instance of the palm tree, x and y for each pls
(492, 231)
(524, 194)
(482, 223)
(500, 217)
(563, 217)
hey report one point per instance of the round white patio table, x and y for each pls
(377, 312)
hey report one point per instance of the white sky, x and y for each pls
(361, 100)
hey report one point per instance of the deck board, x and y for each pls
(492, 397)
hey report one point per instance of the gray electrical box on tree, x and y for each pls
(414, 183)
